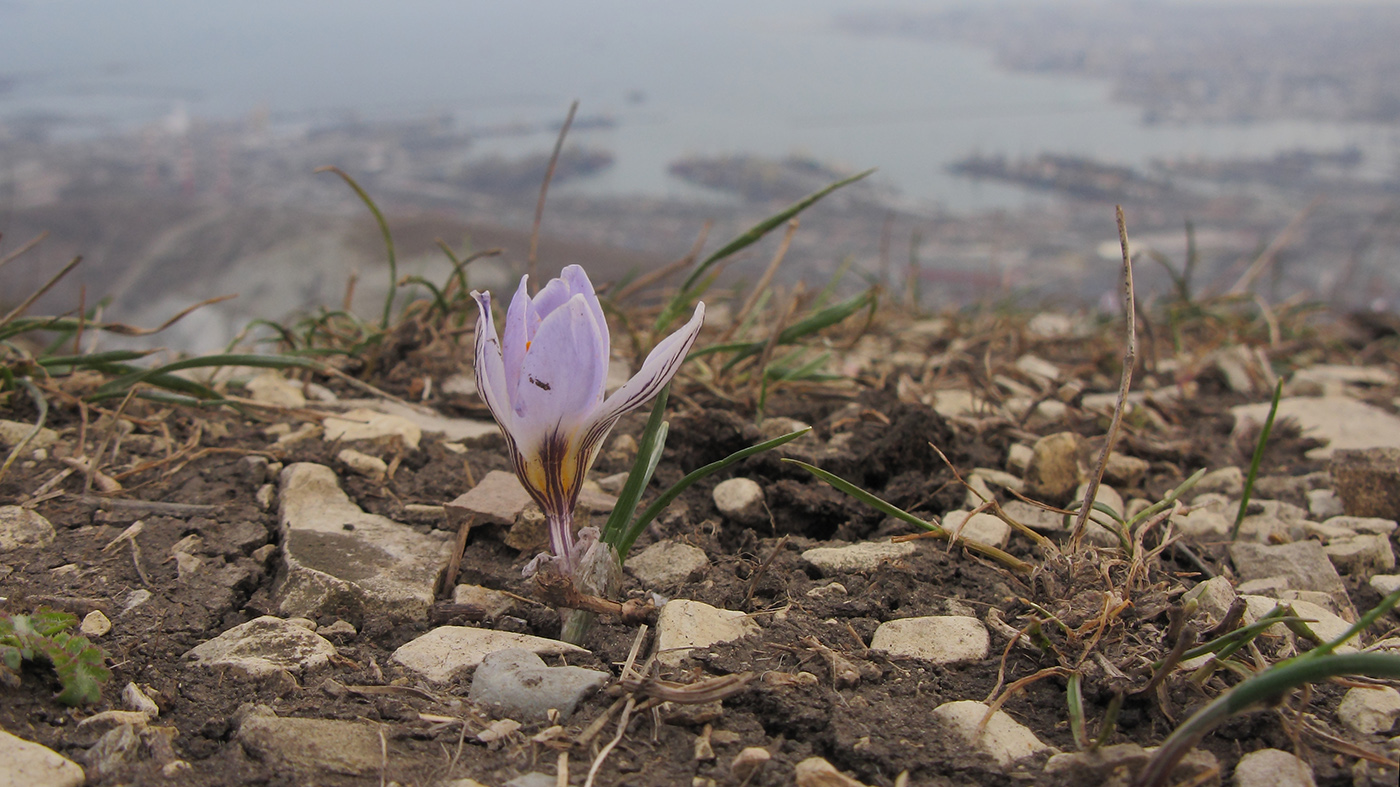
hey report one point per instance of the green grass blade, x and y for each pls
(649, 450)
(384, 231)
(744, 240)
(1256, 459)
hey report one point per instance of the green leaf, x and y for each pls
(649, 450)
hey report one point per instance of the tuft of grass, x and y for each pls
(44, 637)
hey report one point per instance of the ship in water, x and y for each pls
(1074, 176)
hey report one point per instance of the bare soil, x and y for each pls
(874, 730)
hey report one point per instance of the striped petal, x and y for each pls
(657, 370)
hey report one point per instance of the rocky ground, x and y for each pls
(269, 582)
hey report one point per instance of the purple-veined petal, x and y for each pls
(577, 280)
(520, 326)
(490, 371)
(561, 385)
(657, 370)
(553, 295)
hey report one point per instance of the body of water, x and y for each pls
(718, 77)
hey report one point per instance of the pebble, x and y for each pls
(982, 527)
(1361, 554)
(1034, 517)
(135, 599)
(371, 467)
(441, 654)
(532, 780)
(1104, 765)
(313, 746)
(741, 499)
(1018, 457)
(1054, 470)
(1005, 740)
(264, 646)
(830, 590)
(1372, 525)
(1370, 711)
(1303, 564)
(817, 772)
(747, 763)
(1213, 597)
(1203, 524)
(137, 700)
(340, 629)
(11, 432)
(684, 625)
(1125, 471)
(1324, 504)
(941, 639)
(1385, 584)
(1228, 481)
(107, 720)
(95, 624)
(493, 602)
(363, 423)
(498, 498)
(666, 564)
(336, 556)
(274, 389)
(1272, 768)
(865, 556)
(522, 686)
(1368, 481)
(21, 528)
(129, 745)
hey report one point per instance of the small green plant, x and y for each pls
(44, 636)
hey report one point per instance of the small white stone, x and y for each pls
(1035, 366)
(21, 527)
(983, 528)
(274, 389)
(264, 646)
(1227, 480)
(941, 639)
(748, 763)
(371, 467)
(1005, 740)
(498, 498)
(1361, 554)
(865, 556)
(1272, 768)
(1213, 597)
(1018, 457)
(817, 772)
(1370, 711)
(366, 424)
(741, 499)
(1324, 624)
(684, 625)
(1364, 524)
(1385, 584)
(666, 563)
(446, 651)
(266, 496)
(493, 602)
(137, 700)
(1324, 503)
(95, 624)
(29, 764)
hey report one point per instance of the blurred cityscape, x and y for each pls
(188, 208)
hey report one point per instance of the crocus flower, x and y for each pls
(544, 383)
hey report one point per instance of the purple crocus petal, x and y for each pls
(577, 280)
(657, 370)
(520, 326)
(490, 371)
(561, 385)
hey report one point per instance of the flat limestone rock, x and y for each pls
(666, 563)
(313, 745)
(1005, 740)
(443, 653)
(20, 527)
(341, 560)
(865, 556)
(28, 764)
(1304, 564)
(498, 498)
(264, 646)
(1342, 421)
(364, 423)
(524, 687)
(467, 431)
(941, 639)
(1273, 768)
(684, 624)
